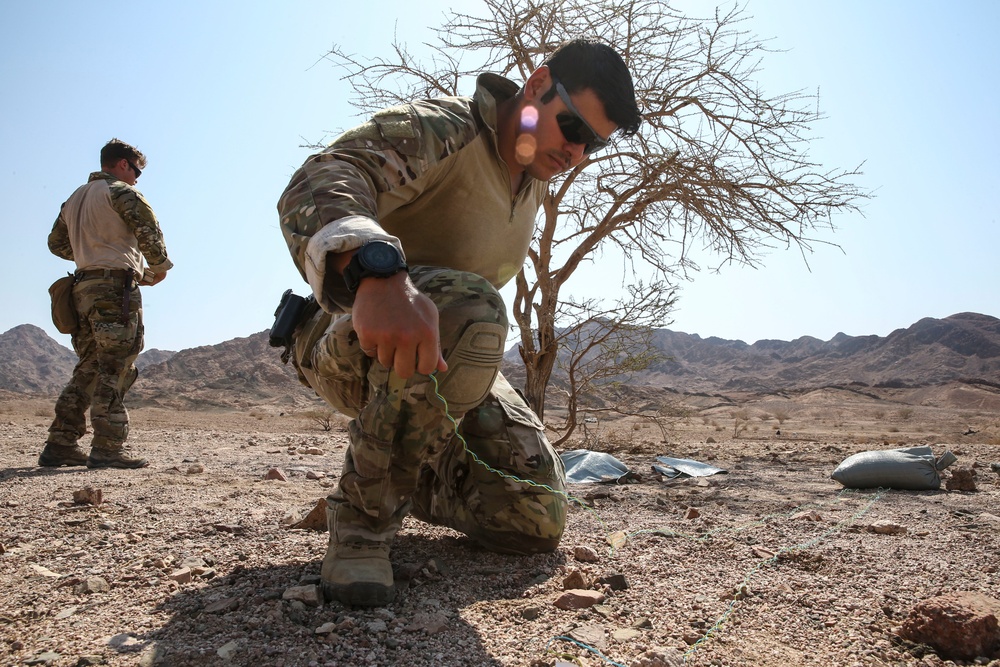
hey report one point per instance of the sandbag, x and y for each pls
(63, 309)
(910, 468)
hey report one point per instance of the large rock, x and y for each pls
(960, 626)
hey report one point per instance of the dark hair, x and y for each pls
(116, 149)
(589, 63)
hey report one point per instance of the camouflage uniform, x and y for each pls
(107, 228)
(427, 177)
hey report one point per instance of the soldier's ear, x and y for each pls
(536, 85)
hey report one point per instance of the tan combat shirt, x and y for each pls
(108, 224)
(425, 176)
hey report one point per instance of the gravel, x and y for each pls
(191, 561)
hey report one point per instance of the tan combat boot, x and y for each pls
(114, 458)
(356, 571)
(62, 455)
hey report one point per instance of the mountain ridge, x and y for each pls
(246, 371)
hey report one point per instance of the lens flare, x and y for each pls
(529, 119)
(525, 148)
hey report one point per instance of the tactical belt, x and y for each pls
(86, 274)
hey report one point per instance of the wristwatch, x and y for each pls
(375, 259)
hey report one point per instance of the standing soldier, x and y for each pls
(108, 228)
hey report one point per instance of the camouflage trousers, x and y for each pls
(107, 350)
(407, 456)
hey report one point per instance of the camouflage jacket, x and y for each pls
(108, 224)
(425, 176)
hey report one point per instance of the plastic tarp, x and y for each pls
(685, 468)
(584, 466)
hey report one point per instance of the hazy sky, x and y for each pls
(220, 96)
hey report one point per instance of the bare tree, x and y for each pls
(718, 165)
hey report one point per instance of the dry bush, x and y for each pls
(325, 419)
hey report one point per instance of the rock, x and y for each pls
(659, 657)
(310, 595)
(808, 515)
(578, 599)
(311, 451)
(325, 629)
(574, 579)
(233, 528)
(692, 513)
(195, 468)
(227, 650)
(887, 528)
(315, 474)
(591, 635)
(962, 478)
(88, 496)
(761, 552)
(46, 658)
(222, 606)
(585, 555)
(626, 634)
(430, 622)
(65, 613)
(960, 626)
(276, 473)
(44, 572)
(92, 585)
(436, 566)
(531, 613)
(614, 581)
(181, 575)
(315, 520)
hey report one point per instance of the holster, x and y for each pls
(127, 295)
(290, 311)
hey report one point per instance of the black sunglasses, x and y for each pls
(574, 128)
(138, 172)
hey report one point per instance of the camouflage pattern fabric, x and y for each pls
(426, 177)
(404, 454)
(107, 350)
(138, 216)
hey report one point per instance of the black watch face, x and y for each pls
(380, 257)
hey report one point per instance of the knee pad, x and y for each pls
(473, 365)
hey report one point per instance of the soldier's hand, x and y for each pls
(398, 325)
(150, 278)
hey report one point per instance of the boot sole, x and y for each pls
(58, 464)
(117, 464)
(360, 594)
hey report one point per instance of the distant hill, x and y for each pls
(153, 356)
(246, 371)
(237, 373)
(931, 351)
(32, 363)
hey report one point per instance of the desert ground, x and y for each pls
(194, 560)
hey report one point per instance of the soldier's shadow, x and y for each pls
(244, 618)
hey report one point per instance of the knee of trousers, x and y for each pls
(518, 544)
(473, 324)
